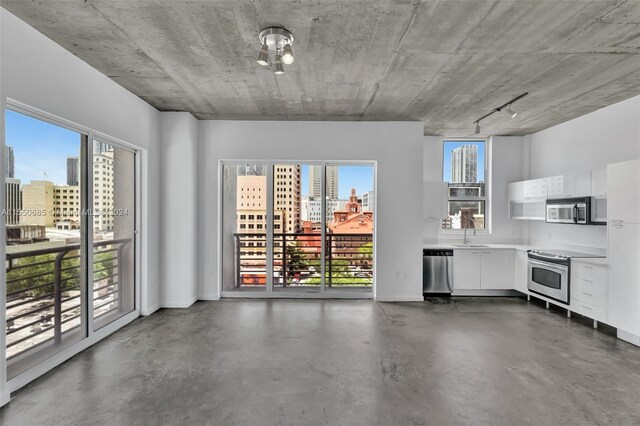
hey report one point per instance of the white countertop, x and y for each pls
(470, 246)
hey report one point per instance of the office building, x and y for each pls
(13, 201)
(73, 171)
(315, 182)
(464, 164)
(9, 162)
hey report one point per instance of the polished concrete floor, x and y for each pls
(288, 362)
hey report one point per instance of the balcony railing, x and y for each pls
(44, 296)
(297, 260)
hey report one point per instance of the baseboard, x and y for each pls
(385, 298)
(211, 296)
(629, 337)
(150, 310)
(490, 293)
(5, 397)
(179, 304)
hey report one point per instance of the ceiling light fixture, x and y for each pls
(279, 41)
(506, 108)
(263, 57)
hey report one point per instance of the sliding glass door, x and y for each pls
(64, 192)
(299, 229)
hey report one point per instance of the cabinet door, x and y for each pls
(516, 191)
(599, 182)
(466, 270)
(624, 276)
(496, 272)
(434, 201)
(555, 186)
(520, 275)
(623, 192)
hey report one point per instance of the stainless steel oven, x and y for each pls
(548, 275)
(568, 210)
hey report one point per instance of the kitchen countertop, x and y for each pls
(459, 246)
(519, 247)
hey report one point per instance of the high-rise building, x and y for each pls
(286, 193)
(368, 201)
(10, 165)
(103, 189)
(464, 164)
(73, 171)
(315, 182)
(13, 201)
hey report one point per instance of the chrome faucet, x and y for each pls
(467, 240)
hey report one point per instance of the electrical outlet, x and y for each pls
(397, 275)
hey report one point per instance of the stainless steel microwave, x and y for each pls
(569, 210)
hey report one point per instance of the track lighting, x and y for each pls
(277, 40)
(506, 108)
(263, 57)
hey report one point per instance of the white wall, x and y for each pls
(609, 135)
(178, 207)
(38, 72)
(397, 148)
(506, 165)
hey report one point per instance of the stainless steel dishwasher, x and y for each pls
(437, 272)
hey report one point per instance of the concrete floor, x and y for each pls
(289, 362)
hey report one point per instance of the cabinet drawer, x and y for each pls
(587, 285)
(588, 310)
(596, 273)
(584, 294)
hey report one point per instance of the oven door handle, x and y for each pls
(547, 265)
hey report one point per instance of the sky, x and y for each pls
(450, 146)
(358, 177)
(40, 149)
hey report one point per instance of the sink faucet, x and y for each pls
(467, 240)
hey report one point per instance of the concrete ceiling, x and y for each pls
(442, 62)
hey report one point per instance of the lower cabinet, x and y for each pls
(521, 271)
(483, 269)
(588, 292)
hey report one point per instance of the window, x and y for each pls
(464, 168)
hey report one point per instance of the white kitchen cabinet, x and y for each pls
(535, 188)
(521, 265)
(519, 208)
(624, 277)
(483, 269)
(589, 289)
(466, 269)
(570, 185)
(516, 191)
(599, 182)
(623, 192)
(434, 200)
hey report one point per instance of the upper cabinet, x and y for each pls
(534, 188)
(623, 192)
(434, 200)
(570, 185)
(599, 182)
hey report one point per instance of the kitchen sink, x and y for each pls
(470, 245)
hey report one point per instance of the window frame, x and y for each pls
(487, 198)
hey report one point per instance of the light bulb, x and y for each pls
(287, 54)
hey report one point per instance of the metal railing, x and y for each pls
(297, 260)
(44, 295)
